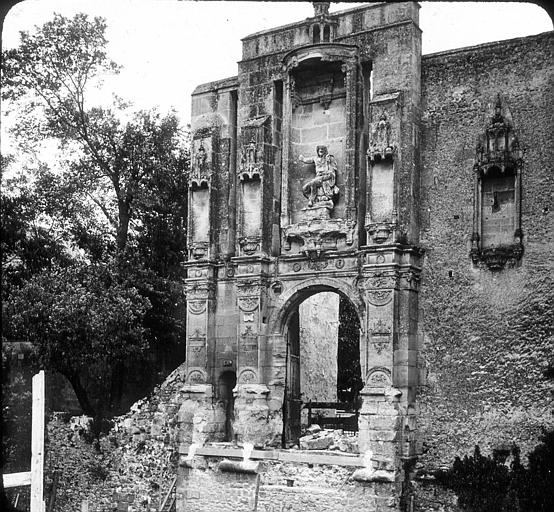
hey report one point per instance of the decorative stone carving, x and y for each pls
(321, 189)
(250, 244)
(317, 235)
(247, 377)
(201, 171)
(379, 287)
(378, 377)
(195, 291)
(198, 250)
(196, 377)
(196, 307)
(497, 194)
(249, 288)
(381, 145)
(380, 336)
(410, 279)
(380, 232)
(248, 303)
(317, 265)
(321, 8)
(248, 332)
(251, 160)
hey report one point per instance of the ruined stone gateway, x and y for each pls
(340, 160)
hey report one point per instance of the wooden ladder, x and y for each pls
(168, 504)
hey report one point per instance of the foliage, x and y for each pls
(113, 160)
(488, 484)
(83, 320)
(116, 200)
(16, 414)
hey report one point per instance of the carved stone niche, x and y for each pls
(497, 239)
(381, 144)
(255, 140)
(381, 217)
(255, 135)
(200, 179)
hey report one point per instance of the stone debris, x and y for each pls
(316, 438)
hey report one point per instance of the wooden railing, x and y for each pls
(346, 420)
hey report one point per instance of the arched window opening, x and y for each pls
(317, 35)
(326, 33)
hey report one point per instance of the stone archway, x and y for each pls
(312, 350)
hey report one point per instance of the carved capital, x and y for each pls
(199, 291)
(250, 244)
(198, 250)
(381, 232)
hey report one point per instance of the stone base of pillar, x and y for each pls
(379, 438)
(256, 422)
(200, 420)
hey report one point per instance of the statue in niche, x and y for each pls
(323, 187)
(201, 158)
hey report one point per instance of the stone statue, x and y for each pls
(323, 186)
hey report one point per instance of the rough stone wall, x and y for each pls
(488, 335)
(319, 330)
(279, 487)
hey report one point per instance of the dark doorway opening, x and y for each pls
(227, 382)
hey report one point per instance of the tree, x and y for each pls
(82, 321)
(120, 187)
(49, 76)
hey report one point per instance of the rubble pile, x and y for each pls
(316, 438)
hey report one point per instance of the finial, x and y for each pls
(321, 8)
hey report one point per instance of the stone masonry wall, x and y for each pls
(487, 335)
(279, 487)
(319, 330)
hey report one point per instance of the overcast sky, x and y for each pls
(167, 47)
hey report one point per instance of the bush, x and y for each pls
(488, 484)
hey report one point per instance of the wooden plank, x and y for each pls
(16, 479)
(302, 456)
(37, 444)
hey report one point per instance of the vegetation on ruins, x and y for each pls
(490, 484)
(92, 240)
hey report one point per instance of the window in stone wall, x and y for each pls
(317, 36)
(497, 235)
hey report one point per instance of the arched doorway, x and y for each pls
(322, 333)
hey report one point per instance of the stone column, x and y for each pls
(197, 414)
(381, 414)
(350, 70)
(251, 395)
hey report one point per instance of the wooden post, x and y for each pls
(37, 444)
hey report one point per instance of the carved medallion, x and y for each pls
(378, 377)
(196, 377)
(197, 307)
(297, 267)
(339, 263)
(248, 303)
(247, 377)
(379, 297)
